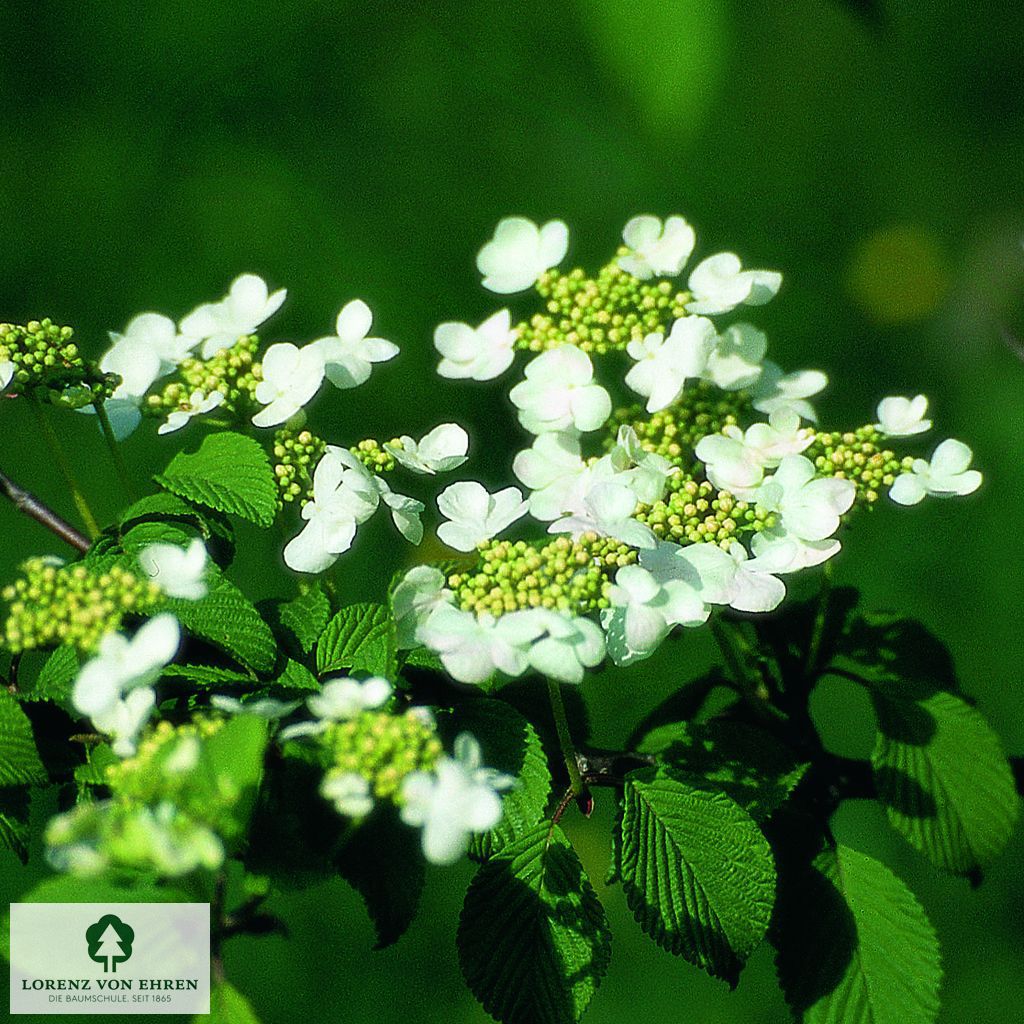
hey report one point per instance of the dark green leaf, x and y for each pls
(854, 945)
(14, 831)
(56, 678)
(19, 759)
(295, 676)
(360, 638)
(681, 705)
(229, 473)
(696, 870)
(227, 1006)
(533, 939)
(306, 616)
(208, 675)
(232, 766)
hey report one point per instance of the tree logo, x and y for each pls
(110, 942)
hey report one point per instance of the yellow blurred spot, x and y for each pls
(898, 275)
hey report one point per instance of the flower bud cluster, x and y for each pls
(77, 604)
(859, 455)
(296, 453)
(234, 372)
(570, 576)
(43, 352)
(696, 513)
(382, 748)
(374, 456)
(599, 314)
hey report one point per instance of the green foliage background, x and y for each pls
(872, 152)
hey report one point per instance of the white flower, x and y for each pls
(719, 284)
(291, 377)
(459, 798)
(420, 591)
(566, 647)
(777, 390)
(104, 686)
(554, 472)
(349, 792)
(902, 417)
(643, 612)
(440, 451)
(405, 512)
(198, 404)
(810, 506)
(520, 252)
(6, 372)
(349, 355)
(220, 324)
(472, 648)
(123, 720)
(559, 393)
(476, 353)
(946, 475)
(263, 707)
(656, 250)
(803, 554)
(608, 509)
(475, 515)
(157, 333)
(663, 365)
(735, 361)
(338, 701)
(178, 572)
(751, 584)
(645, 473)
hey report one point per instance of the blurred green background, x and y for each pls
(873, 153)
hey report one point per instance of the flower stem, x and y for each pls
(565, 738)
(64, 465)
(114, 448)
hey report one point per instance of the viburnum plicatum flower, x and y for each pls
(777, 390)
(946, 475)
(198, 404)
(156, 334)
(719, 284)
(554, 472)
(178, 572)
(458, 798)
(114, 687)
(902, 417)
(291, 377)
(476, 353)
(440, 451)
(349, 355)
(735, 579)
(6, 372)
(801, 554)
(339, 700)
(664, 365)
(220, 324)
(559, 393)
(643, 611)
(418, 593)
(474, 515)
(514, 259)
(735, 361)
(810, 506)
(607, 510)
(349, 792)
(565, 647)
(645, 473)
(656, 249)
(266, 708)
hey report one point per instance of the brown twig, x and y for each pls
(35, 509)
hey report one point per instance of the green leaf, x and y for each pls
(533, 939)
(14, 831)
(228, 620)
(74, 889)
(854, 945)
(207, 675)
(295, 676)
(696, 870)
(94, 771)
(421, 657)
(19, 759)
(156, 531)
(227, 1006)
(382, 861)
(232, 766)
(509, 744)
(360, 638)
(56, 677)
(750, 765)
(157, 505)
(229, 473)
(306, 616)
(945, 782)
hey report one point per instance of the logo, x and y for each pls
(110, 942)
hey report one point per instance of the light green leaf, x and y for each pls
(854, 945)
(942, 775)
(306, 616)
(360, 638)
(295, 676)
(56, 677)
(509, 744)
(232, 766)
(227, 1006)
(14, 831)
(155, 506)
(696, 870)
(228, 620)
(19, 759)
(208, 675)
(533, 939)
(750, 765)
(229, 473)
(74, 889)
